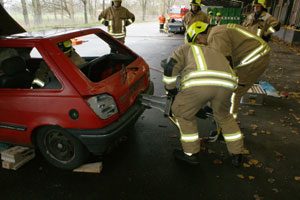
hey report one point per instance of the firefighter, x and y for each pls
(116, 18)
(205, 76)
(210, 16)
(162, 21)
(260, 21)
(194, 14)
(218, 18)
(43, 74)
(247, 53)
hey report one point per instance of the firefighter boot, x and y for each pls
(237, 160)
(192, 160)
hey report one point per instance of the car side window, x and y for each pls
(44, 78)
(14, 70)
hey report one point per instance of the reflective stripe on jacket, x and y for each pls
(193, 69)
(235, 41)
(118, 19)
(257, 52)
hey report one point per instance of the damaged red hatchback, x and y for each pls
(79, 107)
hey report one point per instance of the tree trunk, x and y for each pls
(2, 3)
(72, 10)
(25, 12)
(39, 12)
(90, 9)
(144, 8)
(62, 11)
(103, 4)
(54, 10)
(85, 11)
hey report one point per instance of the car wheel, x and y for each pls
(60, 148)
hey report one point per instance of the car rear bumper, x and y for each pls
(98, 140)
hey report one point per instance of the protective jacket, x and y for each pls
(249, 55)
(235, 41)
(190, 18)
(205, 76)
(263, 25)
(116, 20)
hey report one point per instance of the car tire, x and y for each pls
(60, 148)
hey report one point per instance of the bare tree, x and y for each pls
(37, 11)
(85, 11)
(2, 3)
(25, 12)
(143, 4)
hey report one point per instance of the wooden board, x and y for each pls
(90, 168)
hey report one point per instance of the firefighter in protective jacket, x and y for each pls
(205, 76)
(247, 53)
(116, 18)
(261, 22)
(195, 14)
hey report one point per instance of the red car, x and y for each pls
(81, 108)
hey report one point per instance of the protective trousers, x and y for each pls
(188, 102)
(248, 75)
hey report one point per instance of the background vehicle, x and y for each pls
(174, 22)
(81, 109)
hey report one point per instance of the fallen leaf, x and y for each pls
(210, 151)
(241, 176)
(257, 197)
(275, 190)
(269, 170)
(246, 152)
(268, 132)
(259, 165)
(271, 180)
(253, 162)
(278, 156)
(246, 165)
(253, 126)
(254, 134)
(217, 162)
(251, 112)
(297, 178)
(296, 117)
(251, 178)
(263, 131)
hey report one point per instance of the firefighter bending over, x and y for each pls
(195, 14)
(116, 18)
(247, 53)
(205, 76)
(260, 22)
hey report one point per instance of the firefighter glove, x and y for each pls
(172, 92)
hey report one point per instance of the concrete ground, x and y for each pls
(143, 167)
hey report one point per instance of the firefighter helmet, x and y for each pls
(194, 30)
(263, 3)
(195, 2)
(219, 14)
(210, 13)
(65, 46)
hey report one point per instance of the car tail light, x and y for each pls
(103, 105)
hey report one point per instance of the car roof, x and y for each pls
(54, 33)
